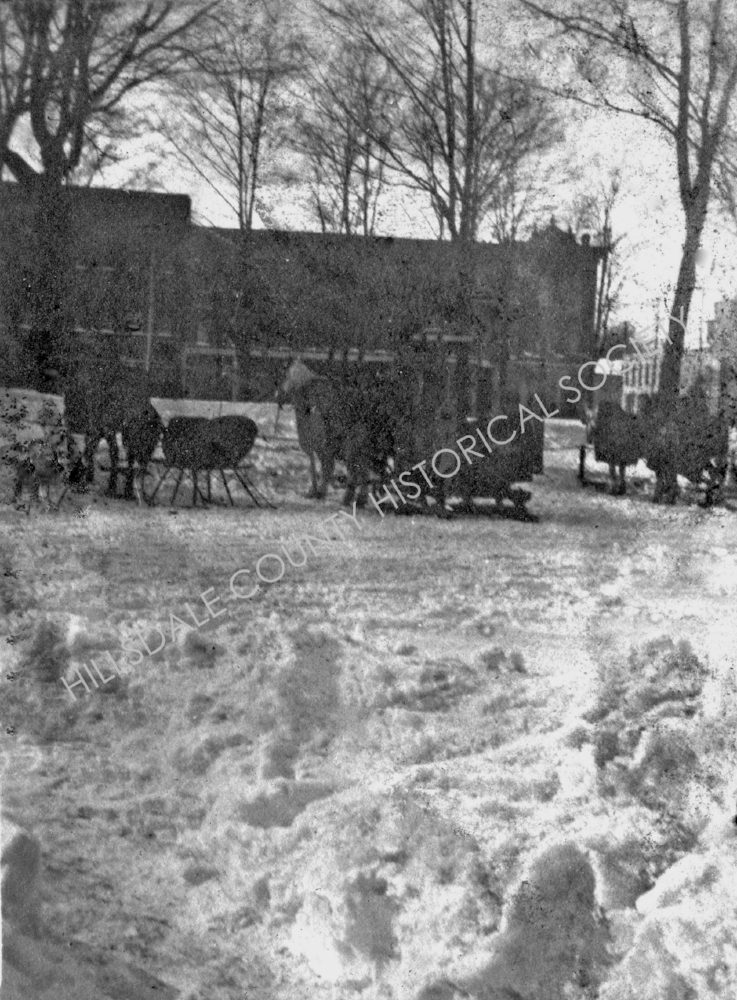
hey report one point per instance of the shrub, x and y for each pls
(21, 430)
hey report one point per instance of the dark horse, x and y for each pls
(340, 420)
(685, 440)
(101, 398)
(618, 440)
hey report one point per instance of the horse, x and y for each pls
(339, 420)
(685, 440)
(617, 438)
(101, 398)
(299, 389)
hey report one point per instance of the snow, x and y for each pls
(367, 709)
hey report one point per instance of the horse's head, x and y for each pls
(586, 413)
(298, 377)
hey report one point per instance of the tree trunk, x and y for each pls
(50, 341)
(469, 222)
(670, 375)
(47, 346)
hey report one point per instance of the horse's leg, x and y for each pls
(115, 463)
(658, 492)
(128, 491)
(709, 490)
(112, 440)
(672, 490)
(669, 490)
(327, 461)
(362, 470)
(619, 479)
(714, 476)
(350, 489)
(613, 478)
(87, 458)
(466, 485)
(91, 441)
(358, 467)
(582, 464)
(313, 493)
(352, 469)
(441, 495)
(77, 472)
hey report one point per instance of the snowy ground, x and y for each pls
(331, 787)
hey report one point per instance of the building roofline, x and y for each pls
(182, 201)
(233, 236)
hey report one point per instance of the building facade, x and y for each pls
(211, 316)
(722, 338)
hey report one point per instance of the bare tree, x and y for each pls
(70, 64)
(725, 178)
(520, 200)
(592, 213)
(344, 132)
(68, 67)
(680, 61)
(508, 207)
(15, 59)
(462, 126)
(233, 110)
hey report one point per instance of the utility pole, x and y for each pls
(150, 319)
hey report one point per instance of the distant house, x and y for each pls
(640, 377)
(213, 317)
(642, 372)
(722, 338)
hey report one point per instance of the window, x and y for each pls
(167, 293)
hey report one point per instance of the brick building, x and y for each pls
(213, 318)
(132, 276)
